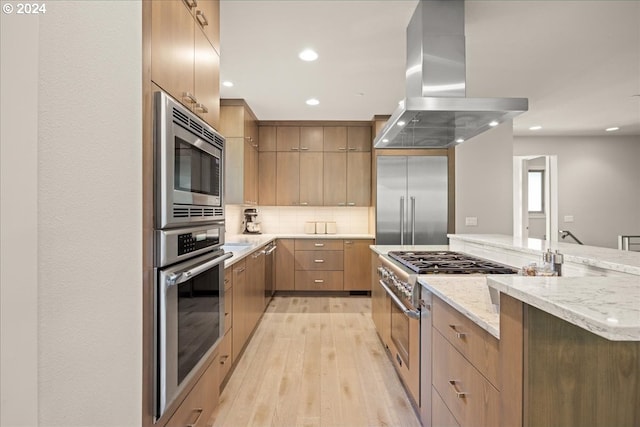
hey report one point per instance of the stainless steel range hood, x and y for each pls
(435, 112)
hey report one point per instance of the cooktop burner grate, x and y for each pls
(447, 262)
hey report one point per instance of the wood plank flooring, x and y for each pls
(315, 361)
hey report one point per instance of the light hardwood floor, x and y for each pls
(315, 361)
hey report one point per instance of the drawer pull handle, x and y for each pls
(223, 359)
(319, 261)
(191, 3)
(195, 422)
(188, 96)
(459, 334)
(318, 281)
(459, 394)
(318, 245)
(202, 20)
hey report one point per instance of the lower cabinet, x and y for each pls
(285, 265)
(380, 304)
(239, 330)
(197, 408)
(357, 265)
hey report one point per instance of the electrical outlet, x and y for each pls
(568, 218)
(471, 221)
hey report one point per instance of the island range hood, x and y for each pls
(435, 112)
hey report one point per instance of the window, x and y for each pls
(536, 191)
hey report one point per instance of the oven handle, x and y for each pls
(409, 313)
(177, 278)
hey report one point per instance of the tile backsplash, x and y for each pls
(286, 219)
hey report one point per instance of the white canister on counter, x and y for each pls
(331, 227)
(309, 227)
(321, 227)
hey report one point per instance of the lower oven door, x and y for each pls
(405, 344)
(189, 321)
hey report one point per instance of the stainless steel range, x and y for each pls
(410, 345)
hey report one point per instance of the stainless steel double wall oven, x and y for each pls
(189, 234)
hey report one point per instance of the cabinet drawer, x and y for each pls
(440, 414)
(226, 356)
(476, 344)
(196, 409)
(228, 278)
(472, 399)
(319, 260)
(319, 281)
(318, 245)
(228, 309)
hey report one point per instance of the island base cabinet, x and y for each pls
(440, 415)
(198, 407)
(319, 281)
(470, 397)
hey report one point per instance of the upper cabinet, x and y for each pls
(184, 59)
(239, 126)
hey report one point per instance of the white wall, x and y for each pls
(88, 342)
(598, 184)
(484, 189)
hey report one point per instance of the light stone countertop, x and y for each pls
(608, 307)
(467, 294)
(605, 258)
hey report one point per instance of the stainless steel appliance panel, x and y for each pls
(427, 185)
(412, 200)
(391, 195)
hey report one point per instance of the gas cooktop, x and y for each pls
(448, 262)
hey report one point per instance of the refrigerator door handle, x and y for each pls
(402, 220)
(413, 220)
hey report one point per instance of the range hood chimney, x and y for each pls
(435, 112)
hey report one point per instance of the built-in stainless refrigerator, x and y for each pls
(412, 200)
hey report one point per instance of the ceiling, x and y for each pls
(578, 62)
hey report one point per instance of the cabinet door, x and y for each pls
(207, 78)
(310, 179)
(335, 179)
(207, 15)
(287, 178)
(255, 289)
(172, 30)
(267, 178)
(239, 308)
(335, 138)
(359, 138)
(311, 138)
(250, 174)
(288, 138)
(380, 304)
(285, 265)
(357, 265)
(267, 137)
(358, 179)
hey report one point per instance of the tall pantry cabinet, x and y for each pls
(181, 56)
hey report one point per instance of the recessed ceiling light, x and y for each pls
(459, 140)
(312, 101)
(535, 127)
(227, 83)
(494, 123)
(612, 129)
(308, 55)
(401, 123)
(385, 140)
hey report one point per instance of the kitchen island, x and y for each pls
(569, 347)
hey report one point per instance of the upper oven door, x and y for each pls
(189, 321)
(189, 167)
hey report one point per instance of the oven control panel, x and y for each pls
(190, 242)
(176, 245)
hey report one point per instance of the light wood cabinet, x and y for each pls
(288, 138)
(319, 280)
(285, 265)
(239, 125)
(311, 170)
(192, 76)
(197, 408)
(267, 181)
(335, 179)
(287, 178)
(239, 309)
(470, 397)
(357, 265)
(311, 138)
(267, 137)
(440, 415)
(359, 138)
(255, 288)
(320, 260)
(207, 14)
(358, 179)
(335, 138)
